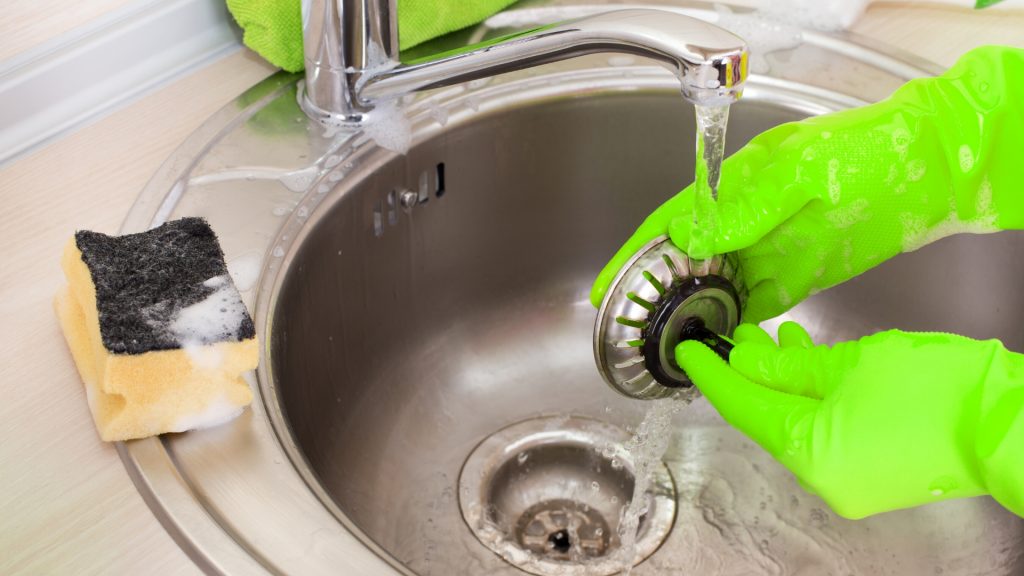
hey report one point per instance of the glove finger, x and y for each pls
(751, 334)
(655, 225)
(771, 297)
(791, 370)
(793, 335)
(767, 416)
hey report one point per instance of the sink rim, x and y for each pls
(158, 469)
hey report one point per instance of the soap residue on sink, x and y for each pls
(777, 25)
(245, 270)
(388, 127)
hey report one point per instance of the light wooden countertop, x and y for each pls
(67, 503)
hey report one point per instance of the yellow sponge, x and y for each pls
(157, 330)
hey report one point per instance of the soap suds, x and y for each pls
(764, 35)
(834, 187)
(388, 127)
(245, 270)
(386, 124)
(916, 169)
(824, 15)
(846, 216)
(966, 158)
(216, 318)
(217, 412)
(777, 25)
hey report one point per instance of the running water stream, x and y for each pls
(651, 438)
(711, 125)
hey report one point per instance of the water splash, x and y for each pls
(646, 448)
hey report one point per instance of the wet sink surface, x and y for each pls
(397, 350)
(410, 307)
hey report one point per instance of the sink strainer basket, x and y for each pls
(660, 298)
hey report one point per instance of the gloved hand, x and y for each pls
(273, 28)
(890, 421)
(810, 204)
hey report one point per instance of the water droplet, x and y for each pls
(942, 485)
(595, 486)
(522, 457)
(983, 87)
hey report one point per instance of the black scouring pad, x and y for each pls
(144, 281)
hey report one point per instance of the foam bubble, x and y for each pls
(901, 140)
(834, 188)
(217, 412)
(388, 127)
(966, 158)
(846, 216)
(245, 270)
(216, 318)
(916, 169)
(824, 15)
(763, 34)
(918, 235)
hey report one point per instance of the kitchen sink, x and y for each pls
(426, 336)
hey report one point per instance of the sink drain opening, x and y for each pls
(547, 495)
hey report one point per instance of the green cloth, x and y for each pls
(273, 28)
(890, 421)
(810, 204)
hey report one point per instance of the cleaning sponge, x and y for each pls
(157, 329)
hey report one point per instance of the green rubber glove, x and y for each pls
(810, 204)
(890, 421)
(273, 28)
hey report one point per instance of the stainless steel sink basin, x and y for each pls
(395, 355)
(413, 306)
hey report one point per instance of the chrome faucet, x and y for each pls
(351, 50)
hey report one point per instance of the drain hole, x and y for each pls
(564, 530)
(440, 180)
(547, 496)
(560, 541)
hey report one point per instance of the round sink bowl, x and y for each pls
(412, 307)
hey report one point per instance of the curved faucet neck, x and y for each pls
(351, 54)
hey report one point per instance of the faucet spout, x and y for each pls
(711, 63)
